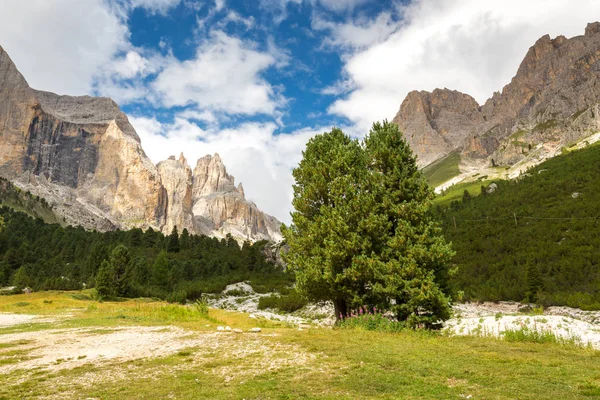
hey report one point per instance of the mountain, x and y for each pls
(546, 220)
(84, 157)
(552, 102)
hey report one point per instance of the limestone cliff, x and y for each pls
(553, 98)
(84, 157)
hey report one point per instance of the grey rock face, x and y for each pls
(553, 97)
(83, 155)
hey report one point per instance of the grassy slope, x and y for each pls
(493, 253)
(348, 364)
(23, 201)
(443, 169)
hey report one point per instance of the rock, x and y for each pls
(553, 99)
(252, 316)
(575, 195)
(236, 330)
(491, 188)
(303, 326)
(220, 328)
(255, 330)
(227, 329)
(84, 157)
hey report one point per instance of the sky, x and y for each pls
(254, 80)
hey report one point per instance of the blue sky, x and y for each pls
(254, 79)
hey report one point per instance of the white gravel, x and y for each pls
(493, 319)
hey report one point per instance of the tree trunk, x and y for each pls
(340, 308)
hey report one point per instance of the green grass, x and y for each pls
(455, 193)
(442, 170)
(283, 363)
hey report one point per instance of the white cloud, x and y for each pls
(342, 5)
(252, 152)
(224, 76)
(155, 6)
(357, 34)
(61, 45)
(469, 45)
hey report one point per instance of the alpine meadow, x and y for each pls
(307, 199)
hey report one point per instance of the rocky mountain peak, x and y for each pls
(210, 176)
(10, 77)
(82, 155)
(593, 28)
(558, 80)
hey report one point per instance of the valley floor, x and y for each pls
(65, 345)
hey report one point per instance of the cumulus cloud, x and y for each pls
(357, 34)
(61, 45)
(252, 152)
(469, 45)
(224, 76)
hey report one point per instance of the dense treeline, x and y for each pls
(127, 263)
(535, 238)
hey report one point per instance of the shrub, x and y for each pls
(371, 320)
(287, 303)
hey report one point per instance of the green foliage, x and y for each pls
(173, 241)
(52, 257)
(362, 231)
(534, 282)
(372, 322)
(106, 281)
(550, 255)
(289, 302)
(442, 170)
(538, 336)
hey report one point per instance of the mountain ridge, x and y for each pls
(82, 155)
(553, 99)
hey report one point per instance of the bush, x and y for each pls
(286, 303)
(371, 321)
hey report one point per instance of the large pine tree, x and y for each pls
(362, 232)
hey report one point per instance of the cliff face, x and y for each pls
(83, 155)
(553, 98)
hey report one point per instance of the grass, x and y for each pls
(283, 363)
(442, 170)
(455, 193)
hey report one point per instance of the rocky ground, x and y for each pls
(489, 319)
(241, 297)
(494, 319)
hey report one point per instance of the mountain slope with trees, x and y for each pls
(535, 238)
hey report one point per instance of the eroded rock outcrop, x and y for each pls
(553, 97)
(84, 157)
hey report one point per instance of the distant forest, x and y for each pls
(535, 238)
(177, 267)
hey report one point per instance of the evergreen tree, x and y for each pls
(173, 241)
(534, 282)
(184, 240)
(120, 260)
(323, 236)
(106, 283)
(21, 279)
(160, 271)
(362, 231)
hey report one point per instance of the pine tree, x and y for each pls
(21, 278)
(173, 241)
(160, 271)
(120, 260)
(534, 282)
(106, 283)
(362, 231)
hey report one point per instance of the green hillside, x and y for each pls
(23, 201)
(536, 237)
(442, 170)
